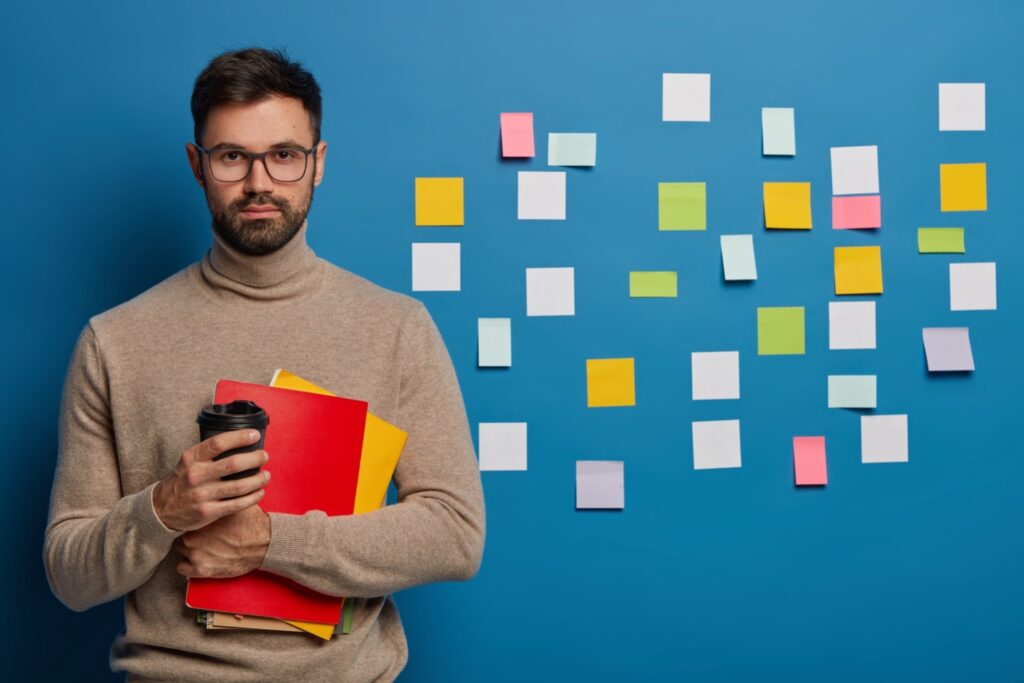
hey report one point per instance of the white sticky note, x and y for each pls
(948, 349)
(502, 446)
(961, 106)
(600, 485)
(778, 133)
(716, 444)
(851, 325)
(852, 391)
(542, 195)
(972, 286)
(550, 291)
(883, 438)
(738, 257)
(855, 170)
(716, 375)
(572, 149)
(686, 97)
(436, 267)
(494, 342)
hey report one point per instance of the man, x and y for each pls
(138, 506)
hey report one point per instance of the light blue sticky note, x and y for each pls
(852, 391)
(738, 257)
(572, 149)
(494, 349)
(778, 132)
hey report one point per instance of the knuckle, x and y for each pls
(192, 477)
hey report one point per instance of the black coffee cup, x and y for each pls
(227, 417)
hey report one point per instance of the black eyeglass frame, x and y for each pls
(262, 157)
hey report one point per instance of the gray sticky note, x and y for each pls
(572, 149)
(948, 349)
(600, 484)
(778, 132)
(494, 338)
(852, 391)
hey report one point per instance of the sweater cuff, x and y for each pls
(289, 542)
(150, 526)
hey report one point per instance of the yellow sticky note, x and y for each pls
(610, 382)
(787, 206)
(963, 187)
(439, 201)
(858, 270)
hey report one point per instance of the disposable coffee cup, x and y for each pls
(218, 418)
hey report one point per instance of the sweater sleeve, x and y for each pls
(99, 543)
(435, 532)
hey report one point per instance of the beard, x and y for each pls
(259, 236)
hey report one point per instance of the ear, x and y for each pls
(195, 162)
(320, 155)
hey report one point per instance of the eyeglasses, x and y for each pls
(284, 164)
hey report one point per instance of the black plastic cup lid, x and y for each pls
(234, 415)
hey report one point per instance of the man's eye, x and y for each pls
(286, 155)
(231, 157)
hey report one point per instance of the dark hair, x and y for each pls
(251, 75)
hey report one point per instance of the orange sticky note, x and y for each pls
(809, 461)
(963, 187)
(517, 134)
(858, 270)
(787, 206)
(439, 201)
(857, 212)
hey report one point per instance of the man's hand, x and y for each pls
(231, 546)
(193, 496)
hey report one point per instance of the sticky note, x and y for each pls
(610, 382)
(963, 187)
(502, 446)
(494, 342)
(778, 134)
(542, 195)
(809, 466)
(940, 240)
(652, 283)
(852, 391)
(948, 349)
(716, 444)
(550, 291)
(715, 375)
(855, 170)
(685, 97)
(517, 134)
(851, 324)
(787, 206)
(961, 106)
(972, 286)
(738, 257)
(439, 201)
(857, 212)
(858, 270)
(780, 330)
(436, 267)
(600, 485)
(572, 149)
(682, 206)
(883, 438)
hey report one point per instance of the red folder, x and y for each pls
(315, 443)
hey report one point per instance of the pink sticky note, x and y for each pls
(517, 134)
(809, 460)
(857, 212)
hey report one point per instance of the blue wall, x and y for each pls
(900, 572)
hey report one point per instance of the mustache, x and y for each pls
(259, 200)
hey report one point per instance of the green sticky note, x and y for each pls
(852, 391)
(738, 257)
(494, 342)
(682, 206)
(940, 240)
(348, 608)
(572, 149)
(652, 283)
(780, 330)
(778, 134)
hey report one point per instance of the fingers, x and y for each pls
(215, 445)
(224, 508)
(239, 462)
(221, 490)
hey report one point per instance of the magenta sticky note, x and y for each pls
(857, 212)
(809, 460)
(517, 134)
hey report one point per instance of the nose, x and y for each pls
(258, 179)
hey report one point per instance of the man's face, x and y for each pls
(258, 215)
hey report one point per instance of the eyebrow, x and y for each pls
(286, 144)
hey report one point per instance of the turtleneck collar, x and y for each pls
(288, 273)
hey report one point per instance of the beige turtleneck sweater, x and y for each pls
(138, 376)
